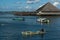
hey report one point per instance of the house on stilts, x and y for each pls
(47, 9)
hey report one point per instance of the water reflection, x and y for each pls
(36, 37)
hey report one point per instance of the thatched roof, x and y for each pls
(48, 7)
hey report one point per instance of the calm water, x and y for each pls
(11, 29)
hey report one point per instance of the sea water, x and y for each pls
(11, 29)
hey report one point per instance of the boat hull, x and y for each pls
(32, 33)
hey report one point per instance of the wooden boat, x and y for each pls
(32, 33)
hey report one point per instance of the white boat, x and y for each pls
(45, 20)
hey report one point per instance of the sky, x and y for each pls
(25, 5)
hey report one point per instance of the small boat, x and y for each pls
(43, 20)
(19, 19)
(32, 33)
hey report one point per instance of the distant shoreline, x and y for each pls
(34, 14)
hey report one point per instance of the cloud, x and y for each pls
(28, 7)
(32, 1)
(37, 0)
(55, 0)
(56, 3)
(18, 2)
(29, 2)
(41, 5)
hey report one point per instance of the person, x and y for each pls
(42, 30)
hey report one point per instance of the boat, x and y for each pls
(32, 33)
(43, 20)
(18, 19)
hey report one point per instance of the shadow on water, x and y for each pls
(33, 37)
(42, 36)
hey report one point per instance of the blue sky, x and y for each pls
(25, 5)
